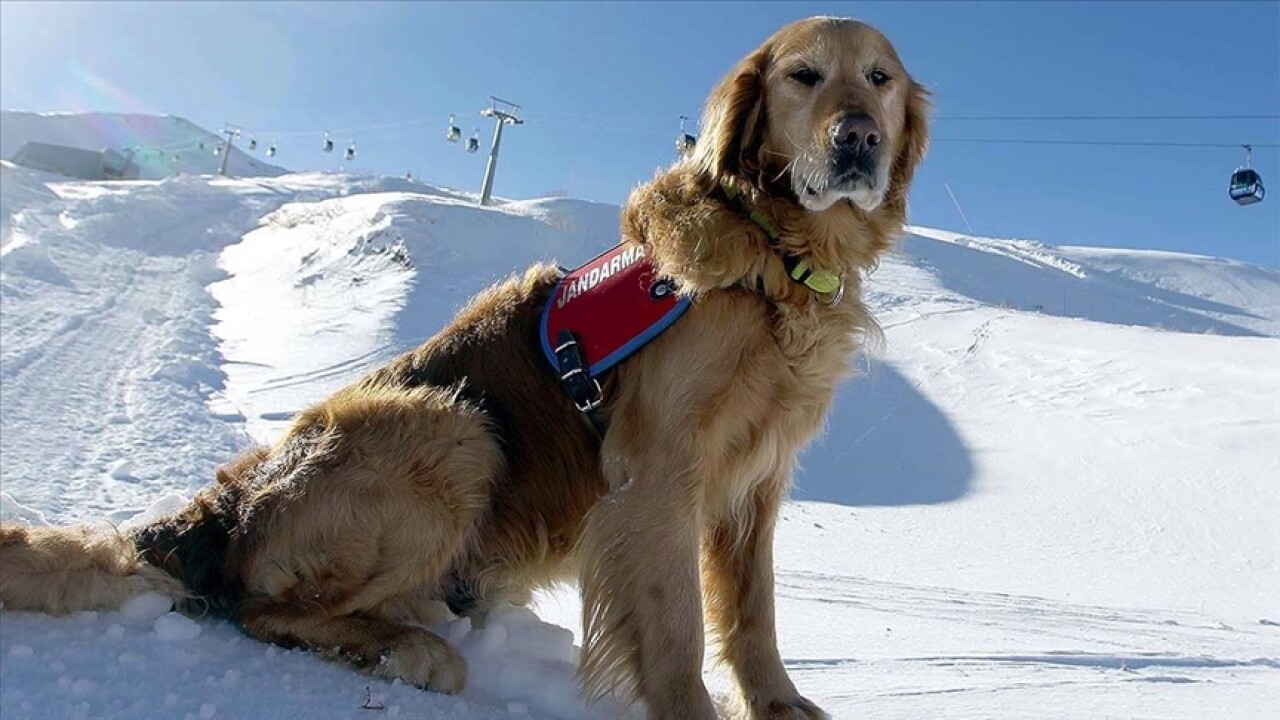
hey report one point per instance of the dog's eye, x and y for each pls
(878, 77)
(807, 76)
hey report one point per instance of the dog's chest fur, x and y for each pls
(772, 380)
(755, 362)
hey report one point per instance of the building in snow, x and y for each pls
(105, 164)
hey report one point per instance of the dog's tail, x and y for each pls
(60, 570)
(187, 556)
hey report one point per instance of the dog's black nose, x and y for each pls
(856, 133)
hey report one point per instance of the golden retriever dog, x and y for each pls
(462, 475)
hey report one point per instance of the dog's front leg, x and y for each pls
(642, 602)
(738, 571)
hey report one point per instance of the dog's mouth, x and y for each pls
(855, 185)
(848, 181)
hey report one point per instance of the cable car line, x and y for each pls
(1110, 143)
(1056, 118)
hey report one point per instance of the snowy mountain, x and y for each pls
(1053, 494)
(163, 145)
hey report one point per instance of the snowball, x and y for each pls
(15, 512)
(485, 641)
(116, 631)
(173, 627)
(511, 616)
(208, 710)
(21, 651)
(122, 470)
(455, 632)
(166, 504)
(147, 606)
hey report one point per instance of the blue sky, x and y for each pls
(602, 85)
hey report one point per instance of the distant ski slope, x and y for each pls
(1053, 494)
(1173, 291)
(166, 144)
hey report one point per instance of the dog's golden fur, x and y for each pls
(461, 475)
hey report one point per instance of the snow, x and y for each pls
(1053, 494)
(175, 628)
(1130, 287)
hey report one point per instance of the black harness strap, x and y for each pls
(576, 378)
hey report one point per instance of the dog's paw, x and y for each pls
(797, 708)
(427, 662)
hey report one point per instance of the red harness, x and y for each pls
(613, 305)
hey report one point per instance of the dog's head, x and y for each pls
(823, 108)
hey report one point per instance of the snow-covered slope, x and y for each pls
(164, 145)
(1173, 291)
(1054, 495)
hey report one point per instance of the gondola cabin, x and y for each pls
(1246, 187)
(686, 144)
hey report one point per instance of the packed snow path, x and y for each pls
(107, 360)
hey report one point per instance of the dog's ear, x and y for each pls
(733, 122)
(911, 150)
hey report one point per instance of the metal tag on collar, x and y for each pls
(839, 295)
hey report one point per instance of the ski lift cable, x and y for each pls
(943, 116)
(1136, 117)
(974, 117)
(1108, 143)
(151, 151)
(633, 116)
(344, 131)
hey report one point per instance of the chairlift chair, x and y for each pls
(1246, 184)
(328, 143)
(253, 144)
(473, 142)
(454, 133)
(350, 154)
(271, 150)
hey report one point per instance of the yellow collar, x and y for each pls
(798, 268)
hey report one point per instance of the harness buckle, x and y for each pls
(593, 401)
(583, 389)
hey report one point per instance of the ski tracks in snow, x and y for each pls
(973, 648)
(107, 353)
(123, 379)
